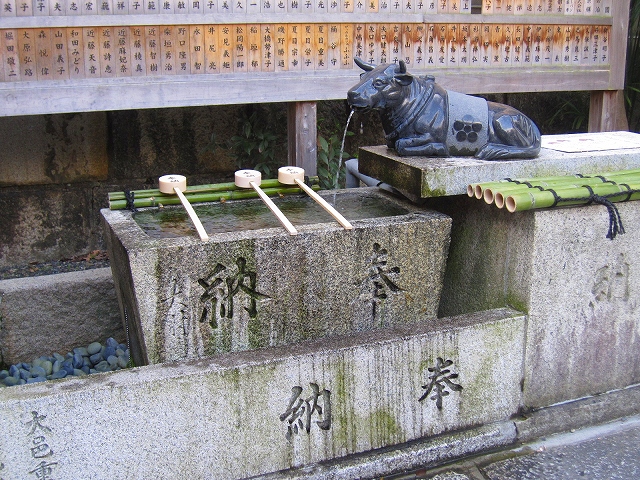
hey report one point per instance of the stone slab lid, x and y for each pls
(426, 177)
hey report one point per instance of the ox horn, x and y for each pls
(367, 67)
(402, 68)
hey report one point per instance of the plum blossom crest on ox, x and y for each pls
(421, 118)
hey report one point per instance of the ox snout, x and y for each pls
(357, 100)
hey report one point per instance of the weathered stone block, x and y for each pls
(427, 177)
(579, 289)
(250, 413)
(184, 298)
(582, 291)
(49, 149)
(56, 313)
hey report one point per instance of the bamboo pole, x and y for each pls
(206, 188)
(535, 198)
(499, 197)
(477, 189)
(239, 194)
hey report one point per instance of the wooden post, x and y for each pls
(302, 129)
(607, 112)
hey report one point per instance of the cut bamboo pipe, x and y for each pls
(499, 196)
(478, 189)
(295, 176)
(253, 179)
(568, 196)
(177, 184)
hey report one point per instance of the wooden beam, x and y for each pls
(302, 127)
(607, 112)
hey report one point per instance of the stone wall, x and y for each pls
(56, 171)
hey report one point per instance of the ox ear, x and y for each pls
(367, 67)
(401, 76)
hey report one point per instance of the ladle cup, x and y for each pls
(295, 176)
(176, 184)
(252, 179)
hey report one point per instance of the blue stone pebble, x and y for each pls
(59, 374)
(103, 366)
(11, 381)
(38, 371)
(94, 348)
(81, 351)
(36, 379)
(82, 361)
(67, 366)
(47, 366)
(78, 360)
(96, 358)
(108, 352)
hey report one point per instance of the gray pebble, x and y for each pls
(58, 357)
(56, 366)
(103, 366)
(81, 351)
(94, 348)
(79, 373)
(4, 374)
(122, 362)
(11, 381)
(112, 360)
(47, 366)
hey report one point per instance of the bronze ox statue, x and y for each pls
(420, 117)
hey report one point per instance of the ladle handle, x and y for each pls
(192, 214)
(276, 211)
(324, 204)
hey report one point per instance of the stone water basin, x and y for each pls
(252, 285)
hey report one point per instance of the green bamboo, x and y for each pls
(535, 198)
(477, 189)
(206, 188)
(238, 194)
(498, 196)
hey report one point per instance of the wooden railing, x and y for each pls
(87, 55)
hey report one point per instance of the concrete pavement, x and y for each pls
(609, 451)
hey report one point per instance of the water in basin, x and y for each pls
(233, 216)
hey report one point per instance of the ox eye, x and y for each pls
(378, 83)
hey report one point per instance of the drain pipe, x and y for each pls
(354, 177)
